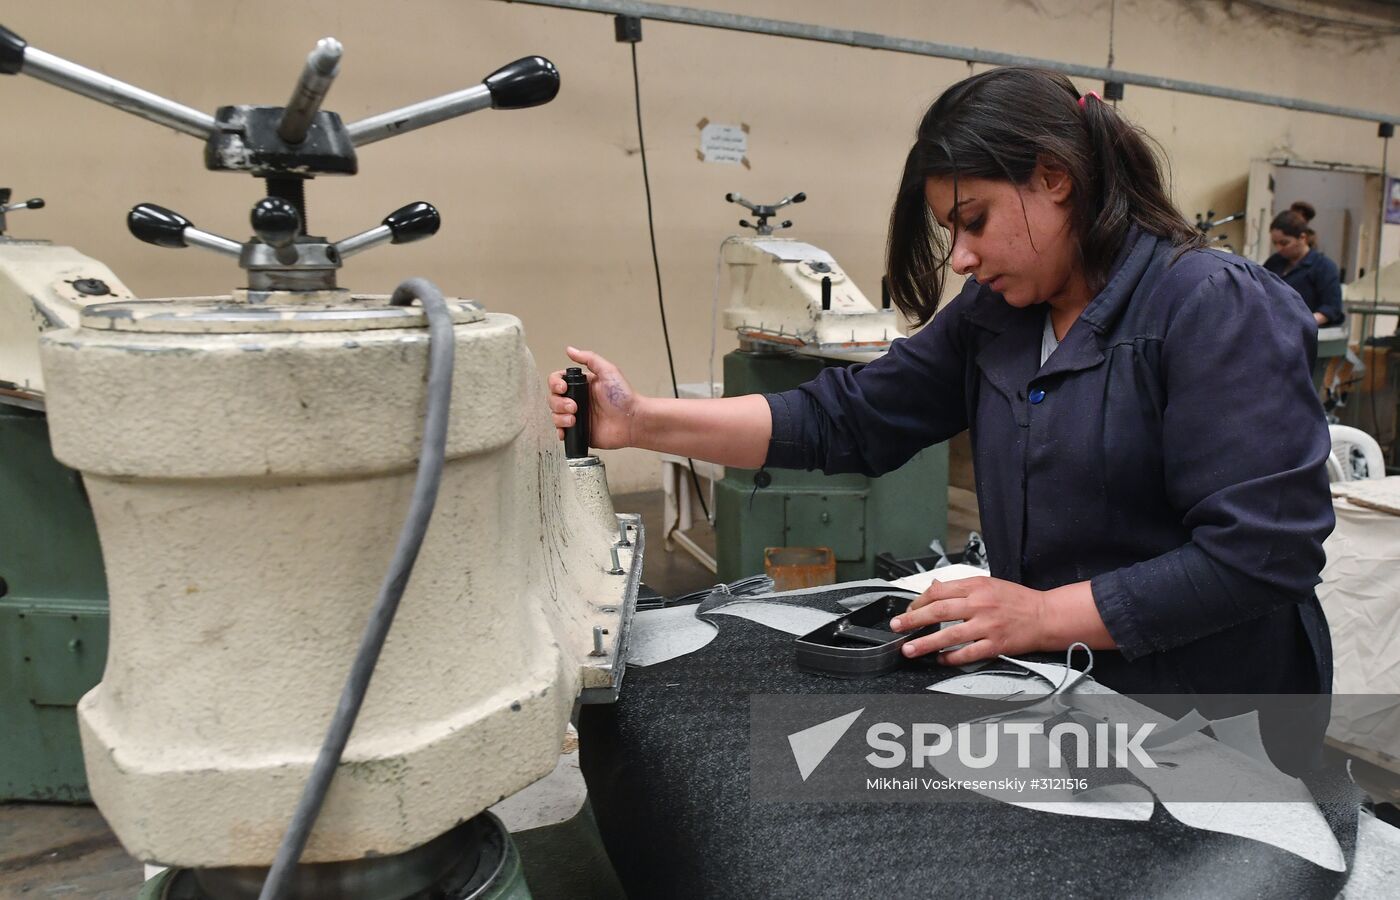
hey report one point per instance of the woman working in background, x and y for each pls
(1306, 270)
(1308, 212)
(1123, 389)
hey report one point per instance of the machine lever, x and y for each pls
(16, 57)
(764, 211)
(402, 226)
(7, 207)
(577, 436)
(527, 82)
(167, 228)
(322, 65)
(35, 203)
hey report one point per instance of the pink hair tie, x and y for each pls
(1094, 94)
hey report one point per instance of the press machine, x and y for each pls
(249, 458)
(796, 312)
(53, 596)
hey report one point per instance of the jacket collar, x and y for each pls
(1134, 257)
(1009, 360)
(990, 311)
(1307, 261)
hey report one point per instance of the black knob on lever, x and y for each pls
(577, 436)
(799, 197)
(158, 225)
(277, 223)
(11, 52)
(36, 203)
(167, 228)
(531, 81)
(413, 222)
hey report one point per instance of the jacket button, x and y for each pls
(1037, 395)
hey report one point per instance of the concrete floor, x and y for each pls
(63, 851)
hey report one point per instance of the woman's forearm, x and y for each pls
(1072, 616)
(731, 431)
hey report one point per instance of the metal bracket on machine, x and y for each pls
(613, 661)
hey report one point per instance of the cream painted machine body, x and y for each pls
(775, 298)
(43, 286)
(249, 467)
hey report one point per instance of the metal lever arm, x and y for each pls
(402, 226)
(766, 209)
(322, 65)
(36, 203)
(17, 57)
(167, 228)
(527, 82)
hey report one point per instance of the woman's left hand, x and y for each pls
(998, 618)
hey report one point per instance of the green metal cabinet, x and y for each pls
(857, 517)
(53, 614)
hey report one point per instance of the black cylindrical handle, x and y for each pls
(275, 221)
(576, 437)
(826, 292)
(799, 197)
(413, 222)
(884, 292)
(531, 81)
(36, 203)
(158, 225)
(11, 52)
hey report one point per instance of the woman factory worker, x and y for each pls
(1149, 450)
(1306, 270)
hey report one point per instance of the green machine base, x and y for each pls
(53, 614)
(857, 517)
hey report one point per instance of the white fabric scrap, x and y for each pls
(1254, 800)
(920, 581)
(1375, 870)
(785, 617)
(1242, 733)
(657, 635)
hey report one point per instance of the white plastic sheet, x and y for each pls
(1360, 592)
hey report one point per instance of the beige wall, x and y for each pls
(543, 210)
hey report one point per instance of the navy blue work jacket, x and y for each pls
(1316, 280)
(1171, 451)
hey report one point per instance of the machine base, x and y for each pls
(477, 860)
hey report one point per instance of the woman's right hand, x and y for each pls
(613, 404)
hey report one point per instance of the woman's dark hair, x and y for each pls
(1304, 209)
(1290, 222)
(999, 124)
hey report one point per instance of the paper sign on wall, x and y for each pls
(721, 142)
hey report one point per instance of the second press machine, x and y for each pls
(797, 312)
